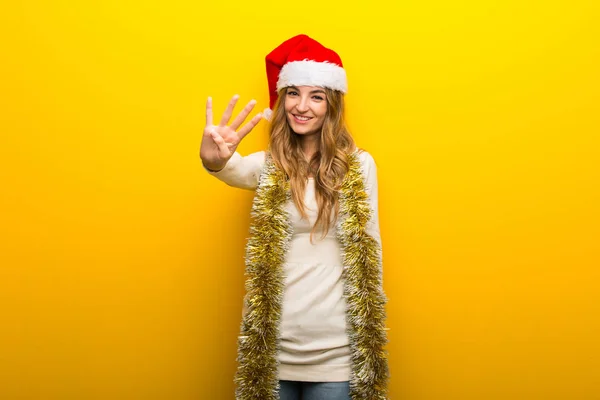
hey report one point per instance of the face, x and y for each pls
(305, 108)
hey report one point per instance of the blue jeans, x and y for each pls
(294, 390)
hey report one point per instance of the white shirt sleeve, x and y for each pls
(371, 187)
(242, 171)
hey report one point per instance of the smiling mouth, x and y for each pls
(302, 118)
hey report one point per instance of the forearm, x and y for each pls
(240, 172)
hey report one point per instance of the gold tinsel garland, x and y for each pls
(270, 233)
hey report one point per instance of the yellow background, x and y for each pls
(122, 260)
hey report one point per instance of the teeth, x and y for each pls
(302, 118)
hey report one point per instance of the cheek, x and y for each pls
(321, 119)
(322, 110)
(289, 104)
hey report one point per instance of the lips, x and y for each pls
(301, 119)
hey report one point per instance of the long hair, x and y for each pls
(328, 165)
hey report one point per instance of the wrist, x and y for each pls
(212, 168)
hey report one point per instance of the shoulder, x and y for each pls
(259, 156)
(366, 160)
(368, 166)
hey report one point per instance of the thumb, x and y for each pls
(224, 151)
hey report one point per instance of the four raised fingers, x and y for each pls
(239, 119)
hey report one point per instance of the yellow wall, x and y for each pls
(121, 260)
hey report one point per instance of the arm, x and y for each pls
(371, 187)
(241, 172)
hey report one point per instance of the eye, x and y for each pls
(316, 97)
(292, 93)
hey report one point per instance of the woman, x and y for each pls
(313, 325)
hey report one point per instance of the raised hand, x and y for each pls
(219, 142)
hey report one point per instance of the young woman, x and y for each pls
(313, 326)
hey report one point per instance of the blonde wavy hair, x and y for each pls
(328, 165)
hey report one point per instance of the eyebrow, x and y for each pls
(312, 91)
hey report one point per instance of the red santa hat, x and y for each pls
(302, 61)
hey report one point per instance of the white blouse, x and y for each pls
(314, 345)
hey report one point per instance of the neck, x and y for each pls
(310, 145)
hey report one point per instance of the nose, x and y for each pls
(302, 105)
